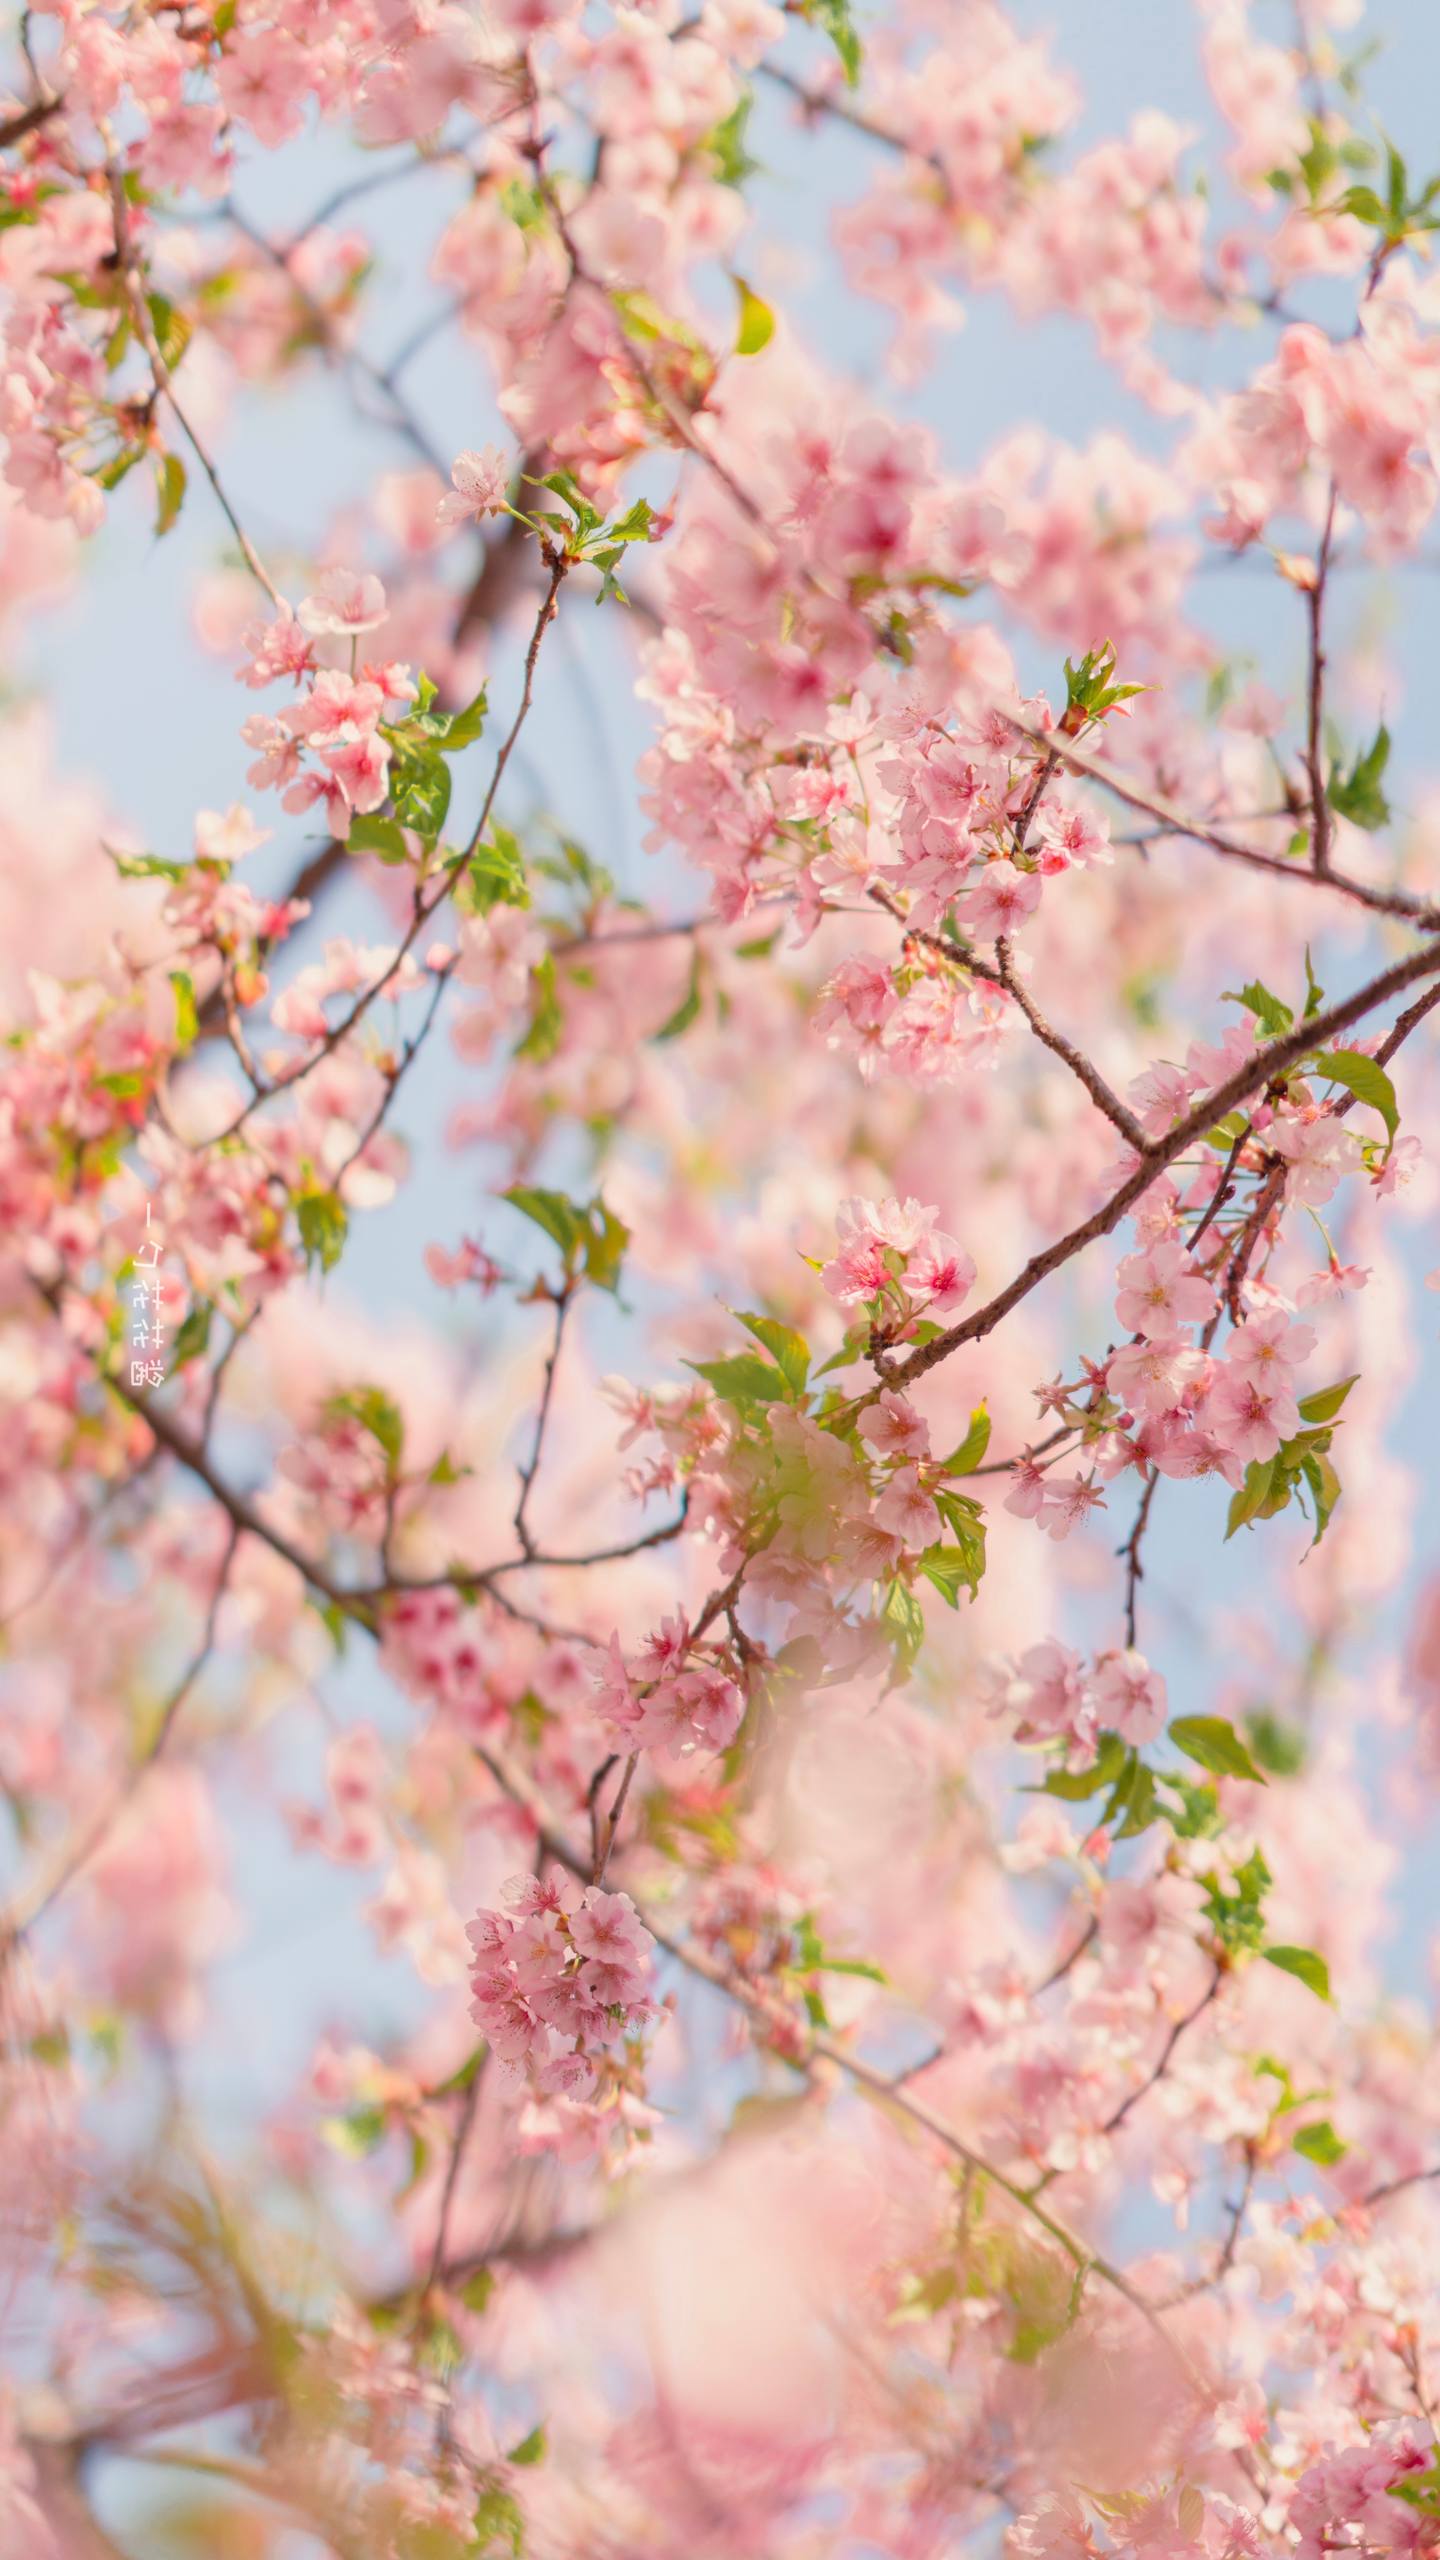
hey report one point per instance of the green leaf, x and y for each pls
(477, 2289)
(111, 473)
(1305, 1965)
(590, 1238)
(1214, 1742)
(1238, 1916)
(445, 1471)
(323, 1227)
(755, 326)
(1326, 1401)
(1275, 1017)
(1364, 204)
(785, 1346)
(498, 2526)
(547, 1022)
(146, 866)
(1142, 1804)
(834, 16)
(464, 727)
(420, 791)
(904, 1621)
(687, 1011)
(742, 1379)
(1259, 1477)
(193, 1339)
(1320, 2142)
(552, 1212)
(494, 876)
(964, 1460)
(170, 485)
(1279, 1748)
(187, 1020)
(381, 836)
(1074, 1785)
(1357, 795)
(950, 1572)
(606, 1237)
(1325, 1490)
(1364, 1078)
(172, 329)
(376, 1413)
(634, 525)
(358, 2132)
(726, 144)
(530, 2449)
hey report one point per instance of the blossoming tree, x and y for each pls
(882, 2044)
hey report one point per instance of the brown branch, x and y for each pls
(424, 907)
(1322, 822)
(80, 1852)
(561, 1299)
(1113, 2122)
(1118, 1113)
(133, 279)
(1267, 1063)
(1397, 2186)
(1134, 1569)
(1422, 912)
(15, 127)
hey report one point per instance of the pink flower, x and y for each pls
(1320, 1151)
(1156, 1375)
(940, 1274)
(1001, 898)
(345, 602)
(906, 1510)
(1069, 1499)
(1268, 1347)
(1162, 1290)
(1129, 1697)
(481, 481)
(1047, 1691)
(227, 837)
(893, 1428)
(1251, 1411)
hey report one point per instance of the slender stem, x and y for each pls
(1322, 821)
(562, 1300)
(1266, 1063)
(133, 279)
(1390, 902)
(1118, 1113)
(81, 1851)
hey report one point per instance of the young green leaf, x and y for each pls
(1357, 795)
(785, 1346)
(1305, 1965)
(1214, 1742)
(1320, 2142)
(1326, 1401)
(1244, 1505)
(755, 326)
(1365, 1079)
(964, 1460)
(380, 836)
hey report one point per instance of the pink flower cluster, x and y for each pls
(1184, 1411)
(668, 1695)
(558, 1978)
(1361, 413)
(337, 717)
(1344, 2502)
(895, 1251)
(1052, 1697)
